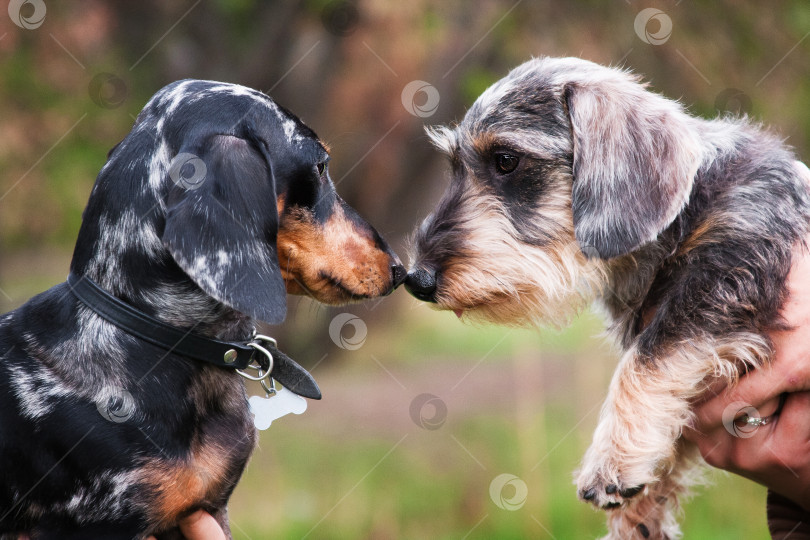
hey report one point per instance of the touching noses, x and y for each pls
(399, 274)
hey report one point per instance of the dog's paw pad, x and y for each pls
(630, 492)
(608, 495)
(643, 530)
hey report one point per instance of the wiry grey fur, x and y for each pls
(681, 228)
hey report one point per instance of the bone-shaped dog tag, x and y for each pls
(267, 409)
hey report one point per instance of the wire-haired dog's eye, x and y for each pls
(321, 168)
(506, 163)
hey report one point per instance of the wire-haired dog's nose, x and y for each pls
(421, 283)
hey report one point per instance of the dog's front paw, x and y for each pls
(606, 491)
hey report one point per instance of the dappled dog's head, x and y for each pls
(558, 170)
(219, 183)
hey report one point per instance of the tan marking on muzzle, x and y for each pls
(334, 262)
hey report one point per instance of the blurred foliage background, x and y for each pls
(377, 458)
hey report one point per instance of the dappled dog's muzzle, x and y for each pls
(399, 275)
(336, 259)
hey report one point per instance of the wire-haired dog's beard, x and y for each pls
(497, 276)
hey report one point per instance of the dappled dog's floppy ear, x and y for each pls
(222, 222)
(635, 158)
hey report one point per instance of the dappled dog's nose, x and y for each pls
(421, 282)
(399, 274)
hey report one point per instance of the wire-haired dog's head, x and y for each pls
(557, 168)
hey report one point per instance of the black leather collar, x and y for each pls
(225, 354)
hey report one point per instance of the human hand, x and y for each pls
(776, 454)
(200, 526)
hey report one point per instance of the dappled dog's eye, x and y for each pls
(506, 163)
(321, 168)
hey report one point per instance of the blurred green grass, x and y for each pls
(368, 471)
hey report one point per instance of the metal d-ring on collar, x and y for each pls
(261, 353)
(263, 366)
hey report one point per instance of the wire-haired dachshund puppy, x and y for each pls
(216, 204)
(572, 182)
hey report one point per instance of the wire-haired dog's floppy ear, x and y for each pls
(635, 158)
(222, 223)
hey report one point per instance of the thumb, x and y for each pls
(201, 526)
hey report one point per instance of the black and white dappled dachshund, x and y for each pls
(571, 182)
(213, 207)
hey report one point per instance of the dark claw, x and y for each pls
(645, 532)
(611, 489)
(630, 492)
(589, 494)
(612, 505)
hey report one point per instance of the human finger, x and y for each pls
(790, 442)
(201, 526)
(756, 394)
